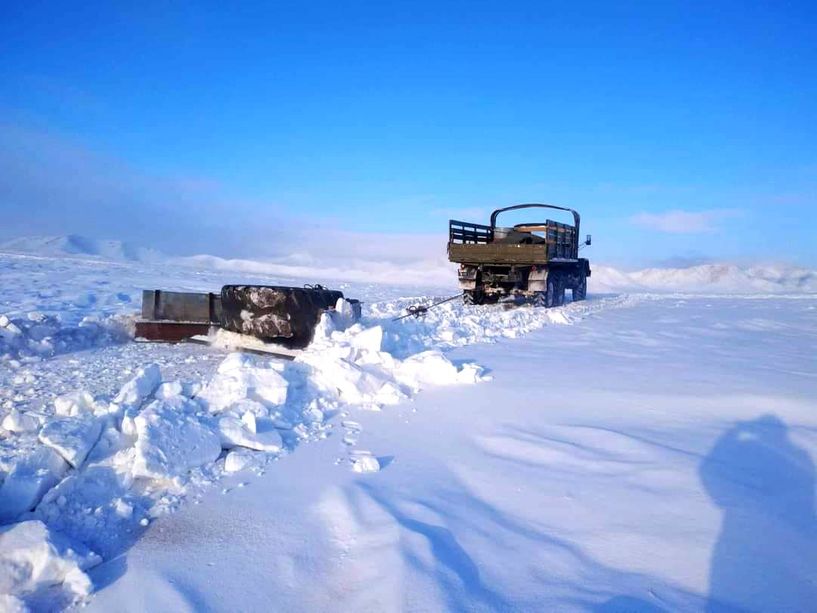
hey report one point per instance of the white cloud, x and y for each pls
(684, 222)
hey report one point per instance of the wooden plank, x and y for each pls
(497, 253)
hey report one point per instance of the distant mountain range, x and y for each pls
(79, 246)
(705, 278)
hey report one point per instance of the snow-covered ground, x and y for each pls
(639, 451)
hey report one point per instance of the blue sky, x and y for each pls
(681, 131)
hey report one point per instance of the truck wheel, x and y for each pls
(540, 299)
(560, 291)
(580, 291)
(287, 315)
(471, 297)
(552, 294)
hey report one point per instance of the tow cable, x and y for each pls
(418, 310)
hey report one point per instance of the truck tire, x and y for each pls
(580, 291)
(552, 293)
(555, 294)
(471, 297)
(287, 315)
(560, 291)
(540, 299)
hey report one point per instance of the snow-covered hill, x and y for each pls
(718, 278)
(74, 245)
(708, 278)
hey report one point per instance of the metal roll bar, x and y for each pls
(576, 217)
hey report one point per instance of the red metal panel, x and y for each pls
(169, 331)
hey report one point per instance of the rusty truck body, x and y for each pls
(536, 261)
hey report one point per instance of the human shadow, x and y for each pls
(766, 555)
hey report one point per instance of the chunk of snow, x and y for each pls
(234, 433)
(110, 442)
(325, 327)
(249, 406)
(97, 505)
(12, 329)
(123, 509)
(170, 389)
(248, 419)
(33, 558)
(471, 373)
(17, 421)
(240, 376)
(133, 395)
(370, 339)
(72, 437)
(74, 403)
(239, 460)
(170, 440)
(364, 462)
(430, 367)
(139, 388)
(28, 480)
(344, 314)
(558, 316)
(352, 383)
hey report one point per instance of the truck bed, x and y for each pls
(471, 243)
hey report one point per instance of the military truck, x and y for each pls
(534, 261)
